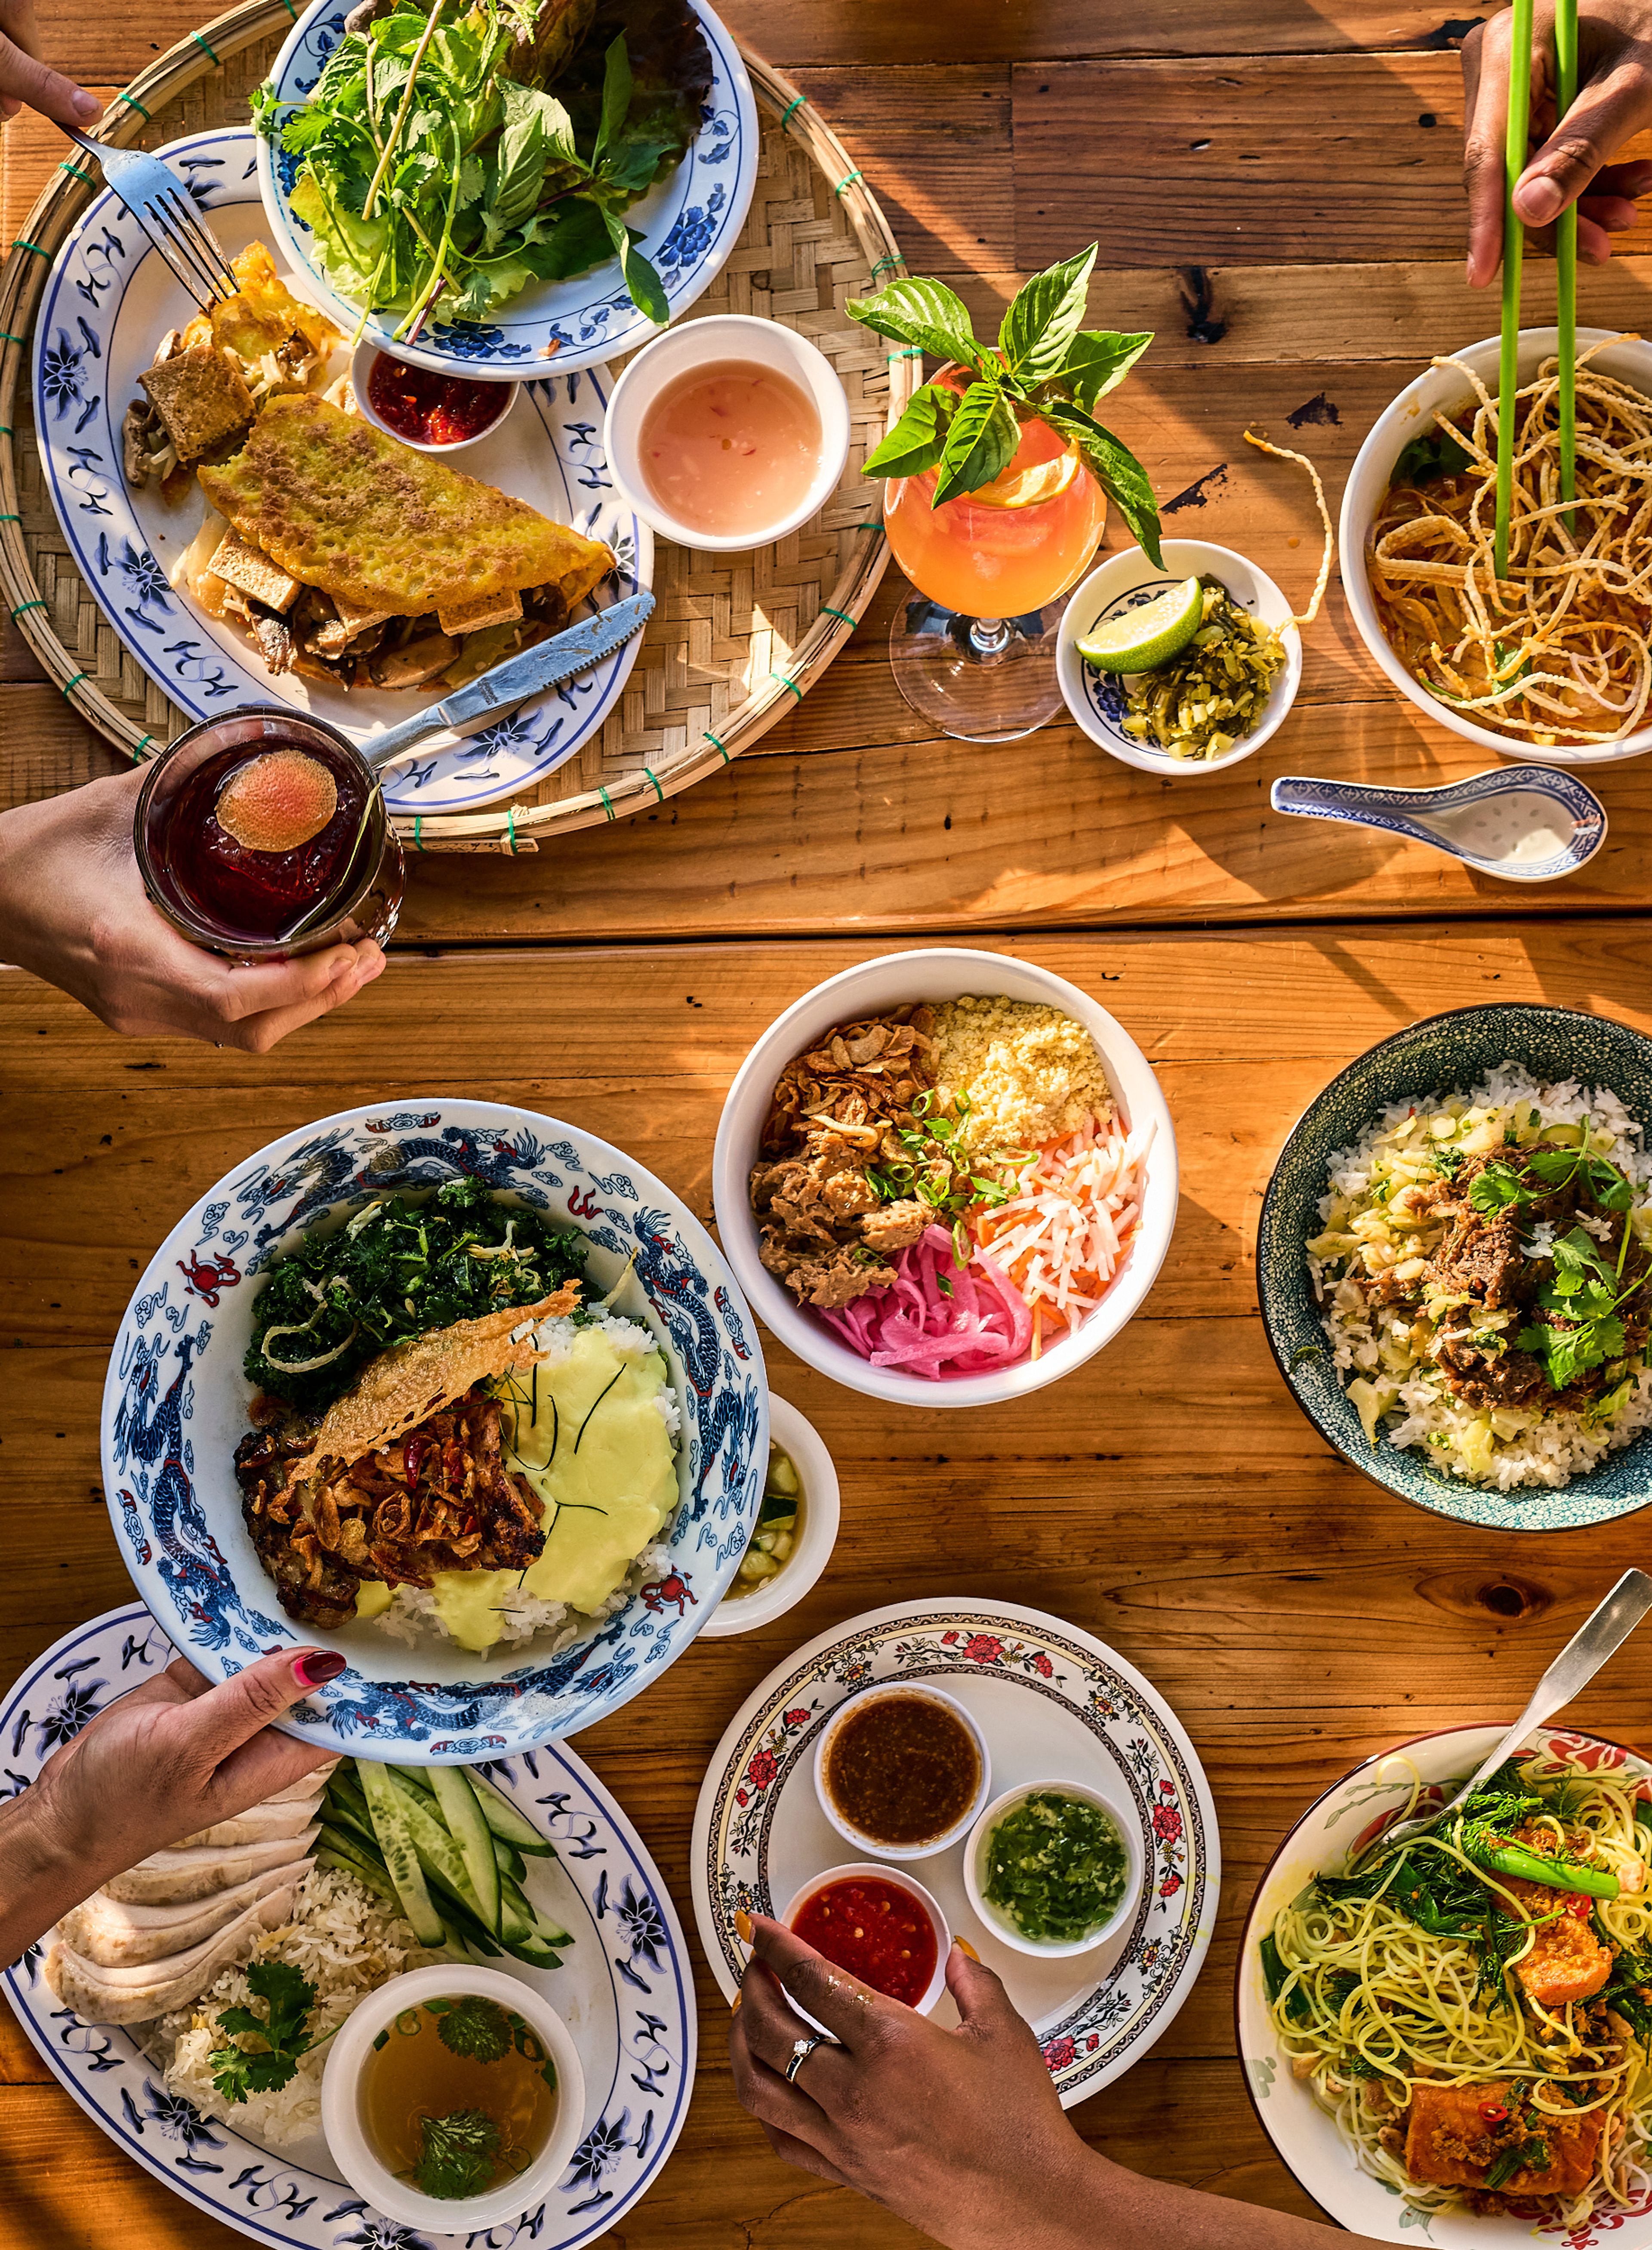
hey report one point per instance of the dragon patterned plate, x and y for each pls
(175, 1405)
(625, 1990)
(108, 302)
(1050, 1701)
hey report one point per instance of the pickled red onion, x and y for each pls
(978, 1324)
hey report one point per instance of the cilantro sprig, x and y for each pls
(288, 1996)
(457, 2160)
(1583, 1298)
(939, 1172)
(1044, 364)
(1500, 1185)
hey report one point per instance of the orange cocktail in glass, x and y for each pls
(977, 654)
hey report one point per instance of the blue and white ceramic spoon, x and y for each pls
(1521, 823)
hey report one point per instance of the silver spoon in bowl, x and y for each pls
(1600, 1635)
(1525, 824)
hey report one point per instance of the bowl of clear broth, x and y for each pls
(727, 433)
(902, 1770)
(453, 2098)
(795, 1532)
(1054, 1867)
(883, 1928)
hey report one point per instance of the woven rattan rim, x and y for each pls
(644, 757)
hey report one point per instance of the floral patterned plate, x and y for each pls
(1050, 1699)
(689, 223)
(175, 1405)
(108, 302)
(1305, 2137)
(625, 1990)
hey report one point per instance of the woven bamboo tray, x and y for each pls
(736, 640)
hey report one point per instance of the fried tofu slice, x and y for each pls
(1450, 2143)
(470, 616)
(251, 569)
(201, 399)
(335, 636)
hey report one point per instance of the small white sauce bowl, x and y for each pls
(362, 361)
(802, 1443)
(908, 1690)
(937, 1922)
(1097, 698)
(341, 2105)
(721, 337)
(1443, 389)
(1123, 1819)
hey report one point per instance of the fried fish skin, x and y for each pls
(347, 510)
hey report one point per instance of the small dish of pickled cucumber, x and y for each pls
(795, 1531)
(1221, 658)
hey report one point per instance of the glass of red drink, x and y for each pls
(264, 834)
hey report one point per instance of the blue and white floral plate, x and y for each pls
(108, 302)
(174, 1406)
(1303, 2134)
(689, 223)
(1050, 1699)
(626, 1990)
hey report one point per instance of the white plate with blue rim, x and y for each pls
(689, 223)
(1051, 1701)
(108, 302)
(1127, 581)
(625, 1990)
(175, 1404)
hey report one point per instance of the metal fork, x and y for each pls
(1600, 1636)
(167, 214)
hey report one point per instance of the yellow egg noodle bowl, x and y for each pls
(1369, 2006)
(1556, 651)
(1446, 1322)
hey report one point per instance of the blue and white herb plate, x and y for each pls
(626, 1990)
(1051, 1701)
(174, 1406)
(1303, 2134)
(689, 223)
(1128, 580)
(1440, 1055)
(108, 302)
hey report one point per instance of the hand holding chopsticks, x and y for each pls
(1569, 163)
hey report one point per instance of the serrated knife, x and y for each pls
(545, 666)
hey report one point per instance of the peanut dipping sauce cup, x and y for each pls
(365, 895)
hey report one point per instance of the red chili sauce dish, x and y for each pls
(875, 1929)
(431, 409)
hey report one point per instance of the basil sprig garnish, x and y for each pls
(1042, 361)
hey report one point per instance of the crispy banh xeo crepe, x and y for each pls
(404, 1475)
(347, 509)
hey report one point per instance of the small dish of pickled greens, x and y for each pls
(779, 1524)
(1051, 1866)
(1202, 701)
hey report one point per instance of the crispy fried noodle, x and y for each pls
(1557, 651)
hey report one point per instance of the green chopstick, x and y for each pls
(1513, 243)
(1566, 263)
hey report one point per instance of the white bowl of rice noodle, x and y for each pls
(1445, 390)
(937, 974)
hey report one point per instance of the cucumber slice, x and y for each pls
(374, 1878)
(457, 1801)
(389, 1809)
(513, 1900)
(510, 1860)
(512, 1827)
(434, 1846)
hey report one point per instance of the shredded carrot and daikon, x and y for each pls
(1062, 1237)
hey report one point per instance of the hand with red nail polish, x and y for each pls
(173, 1756)
(1569, 159)
(25, 78)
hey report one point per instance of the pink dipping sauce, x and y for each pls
(730, 448)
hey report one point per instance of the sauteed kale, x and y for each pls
(402, 1266)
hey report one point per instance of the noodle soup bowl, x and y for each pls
(1444, 389)
(896, 980)
(1305, 2136)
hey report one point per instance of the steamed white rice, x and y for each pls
(1400, 1398)
(347, 1941)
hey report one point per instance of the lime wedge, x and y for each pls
(1139, 639)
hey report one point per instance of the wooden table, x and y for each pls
(1275, 190)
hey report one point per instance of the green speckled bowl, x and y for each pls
(1443, 1054)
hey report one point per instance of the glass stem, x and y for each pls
(988, 636)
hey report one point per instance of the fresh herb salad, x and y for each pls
(1056, 1868)
(439, 179)
(400, 1268)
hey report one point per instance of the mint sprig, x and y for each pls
(1043, 365)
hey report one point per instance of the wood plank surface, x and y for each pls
(1275, 192)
